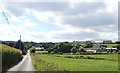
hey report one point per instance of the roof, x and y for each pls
(110, 48)
(39, 48)
(90, 50)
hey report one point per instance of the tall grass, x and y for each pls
(10, 56)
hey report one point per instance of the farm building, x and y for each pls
(39, 48)
(91, 51)
(111, 50)
(101, 51)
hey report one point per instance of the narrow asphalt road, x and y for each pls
(24, 65)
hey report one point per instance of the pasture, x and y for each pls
(68, 62)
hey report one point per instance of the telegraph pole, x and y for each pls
(20, 42)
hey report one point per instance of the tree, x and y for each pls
(32, 49)
(47, 45)
(88, 44)
(74, 50)
(82, 50)
(20, 45)
(65, 47)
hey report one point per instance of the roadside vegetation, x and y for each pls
(10, 56)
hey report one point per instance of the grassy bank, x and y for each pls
(10, 56)
(53, 62)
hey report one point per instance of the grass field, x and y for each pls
(58, 62)
(110, 45)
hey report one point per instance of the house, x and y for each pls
(91, 51)
(96, 45)
(111, 50)
(107, 42)
(39, 48)
(102, 51)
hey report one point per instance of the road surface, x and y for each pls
(24, 65)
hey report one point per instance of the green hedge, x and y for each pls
(10, 56)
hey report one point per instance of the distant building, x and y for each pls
(107, 42)
(96, 46)
(103, 51)
(111, 50)
(91, 51)
(81, 42)
(39, 48)
(117, 42)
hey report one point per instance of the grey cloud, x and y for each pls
(19, 8)
(85, 7)
(77, 36)
(61, 7)
(91, 20)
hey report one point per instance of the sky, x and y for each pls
(58, 21)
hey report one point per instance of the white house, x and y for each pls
(39, 48)
(90, 51)
(111, 48)
(103, 51)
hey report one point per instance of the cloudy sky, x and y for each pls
(55, 21)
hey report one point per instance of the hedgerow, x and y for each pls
(10, 56)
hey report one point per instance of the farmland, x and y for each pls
(70, 62)
(110, 45)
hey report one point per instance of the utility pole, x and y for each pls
(20, 42)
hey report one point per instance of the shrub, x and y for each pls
(60, 53)
(32, 49)
(81, 56)
(90, 57)
(10, 56)
(52, 52)
(77, 53)
(68, 57)
(74, 50)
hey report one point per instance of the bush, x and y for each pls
(81, 56)
(52, 52)
(32, 49)
(60, 53)
(90, 57)
(77, 53)
(10, 56)
(74, 50)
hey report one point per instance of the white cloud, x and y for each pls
(86, 19)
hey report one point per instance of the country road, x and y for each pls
(24, 65)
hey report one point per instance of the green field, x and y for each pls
(110, 45)
(67, 62)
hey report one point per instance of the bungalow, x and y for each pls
(111, 48)
(39, 48)
(91, 51)
(103, 51)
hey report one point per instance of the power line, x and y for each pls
(3, 13)
(10, 25)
